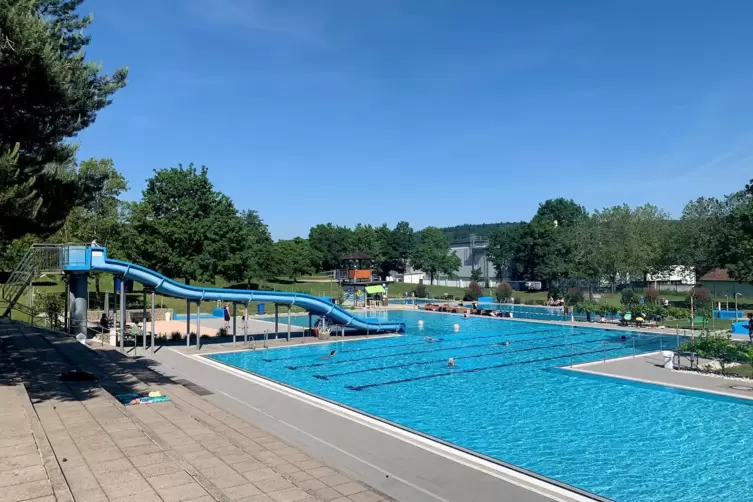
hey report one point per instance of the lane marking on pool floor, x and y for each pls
(509, 475)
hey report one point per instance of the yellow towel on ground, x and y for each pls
(155, 393)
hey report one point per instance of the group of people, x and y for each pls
(552, 302)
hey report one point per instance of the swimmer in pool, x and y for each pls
(429, 339)
(451, 362)
(465, 315)
(623, 338)
(507, 342)
(331, 354)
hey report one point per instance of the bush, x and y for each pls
(420, 291)
(473, 292)
(719, 348)
(702, 298)
(628, 297)
(574, 296)
(221, 332)
(503, 292)
(651, 295)
(554, 291)
(176, 336)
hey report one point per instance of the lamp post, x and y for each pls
(736, 295)
(726, 296)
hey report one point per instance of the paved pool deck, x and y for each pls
(64, 441)
(648, 368)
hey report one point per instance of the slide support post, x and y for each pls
(277, 320)
(188, 323)
(198, 324)
(143, 319)
(122, 314)
(154, 315)
(234, 323)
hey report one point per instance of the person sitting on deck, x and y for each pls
(104, 323)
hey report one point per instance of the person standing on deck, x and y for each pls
(227, 317)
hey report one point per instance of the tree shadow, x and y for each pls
(38, 358)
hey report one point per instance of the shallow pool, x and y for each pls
(511, 401)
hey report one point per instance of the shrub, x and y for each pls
(503, 292)
(420, 291)
(628, 297)
(221, 332)
(554, 291)
(176, 336)
(651, 295)
(473, 292)
(475, 274)
(701, 298)
(574, 296)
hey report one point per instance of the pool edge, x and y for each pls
(530, 480)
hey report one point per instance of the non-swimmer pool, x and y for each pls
(621, 440)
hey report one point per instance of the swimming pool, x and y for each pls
(625, 441)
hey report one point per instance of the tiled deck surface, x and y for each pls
(648, 368)
(74, 441)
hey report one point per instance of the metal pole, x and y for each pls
(122, 314)
(188, 323)
(277, 320)
(66, 325)
(604, 348)
(571, 355)
(633, 346)
(266, 335)
(661, 343)
(143, 319)
(245, 325)
(310, 323)
(677, 341)
(288, 322)
(154, 315)
(234, 323)
(198, 324)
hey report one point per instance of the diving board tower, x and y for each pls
(357, 278)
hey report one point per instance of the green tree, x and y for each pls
(432, 254)
(696, 236)
(293, 258)
(547, 244)
(99, 218)
(402, 243)
(182, 227)
(476, 274)
(331, 243)
(50, 93)
(258, 251)
(737, 235)
(504, 243)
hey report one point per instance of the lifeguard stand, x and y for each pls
(357, 279)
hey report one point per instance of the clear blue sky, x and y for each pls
(438, 112)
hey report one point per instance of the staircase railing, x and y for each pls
(40, 258)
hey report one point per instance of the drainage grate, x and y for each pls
(741, 387)
(196, 389)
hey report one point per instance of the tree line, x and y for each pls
(620, 244)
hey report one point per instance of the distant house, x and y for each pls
(720, 283)
(674, 276)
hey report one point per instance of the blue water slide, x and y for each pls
(97, 261)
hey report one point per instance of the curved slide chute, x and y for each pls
(99, 262)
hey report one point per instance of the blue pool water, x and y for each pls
(625, 441)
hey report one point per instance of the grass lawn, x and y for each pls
(744, 370)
